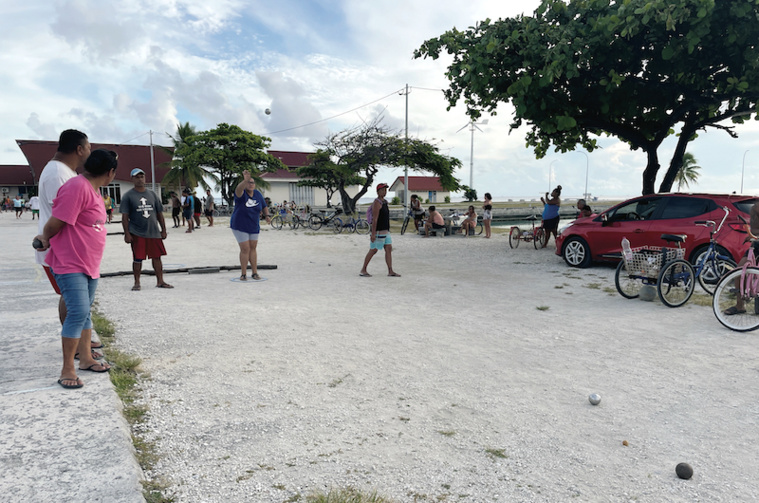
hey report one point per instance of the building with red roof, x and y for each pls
(39, 152)
(14, 180)
(425, 187)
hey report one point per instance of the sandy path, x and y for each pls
(454, 386)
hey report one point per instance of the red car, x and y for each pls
(642, 220)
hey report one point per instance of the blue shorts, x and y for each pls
(244, 236)
(78, 292)
(380, 241)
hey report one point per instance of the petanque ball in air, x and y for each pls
(684, 471)
(267, 111)
(594, 399)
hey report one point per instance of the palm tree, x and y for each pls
(688, 171)
(182, 172)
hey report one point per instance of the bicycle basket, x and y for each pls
(647, 260)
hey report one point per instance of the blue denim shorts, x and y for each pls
(78, 292)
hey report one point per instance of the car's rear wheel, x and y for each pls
(576, 252)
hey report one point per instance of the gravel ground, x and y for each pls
(465, 380)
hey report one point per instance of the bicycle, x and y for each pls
(409, 217)
(710, 265)
(662, 267)
(737, 291)
(289, 219)
(537, 234)
(317, 221)
(222, 211)
(357, 225)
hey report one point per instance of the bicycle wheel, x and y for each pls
(362, 227)
(726, 297)
(677, 280)
(315, 222)
(405, 224)
(539, 238)
(293, 222)
(627, 286)
(514, 234)
(478, 228)
(276, 222)
(714, 268)
(336, 225)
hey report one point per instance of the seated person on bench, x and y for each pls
(470, 222)
(434, 222)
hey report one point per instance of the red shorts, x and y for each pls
(52, 279)
(143, 248)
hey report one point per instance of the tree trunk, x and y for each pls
(652, 168)
(677, 160)
(349, 204)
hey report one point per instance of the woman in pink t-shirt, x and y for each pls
(76, 235)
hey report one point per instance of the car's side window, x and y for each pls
(687, 207)
(640, 209)
(647, 207)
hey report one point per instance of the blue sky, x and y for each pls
(119, 69)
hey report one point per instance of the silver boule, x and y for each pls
(267, 111)
(594, 399)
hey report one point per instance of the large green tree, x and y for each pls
(354, 157)
(227, 151)
(323, 173)
(638, 70)
(184, 172)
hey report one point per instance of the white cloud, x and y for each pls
(119, 69)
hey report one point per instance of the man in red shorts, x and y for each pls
(144, 228)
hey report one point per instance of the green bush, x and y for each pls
(395, 200)
(447, 199)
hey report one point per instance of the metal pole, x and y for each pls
(471, 159)
(405, 170)
(152, 161)
(743, 169)
(587, 163)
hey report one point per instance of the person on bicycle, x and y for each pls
(551, 214)
(470, 222)
(753, 235)
(380, 235)
(416, 210)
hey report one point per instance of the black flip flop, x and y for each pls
(90, 369)
(78, 384)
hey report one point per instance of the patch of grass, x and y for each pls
(347, 495)
(593, 286)
(701, 299)
(543, 308)
(559, 287)
(610, 290)
(496, 453)
(125, 376)
(447, 433)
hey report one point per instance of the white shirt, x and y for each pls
(54, 174)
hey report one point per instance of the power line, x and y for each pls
(128, 141)
(335, 116)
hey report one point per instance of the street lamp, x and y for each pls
(550, 166)
(472, 126)
(587, 164)
(743, 169)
